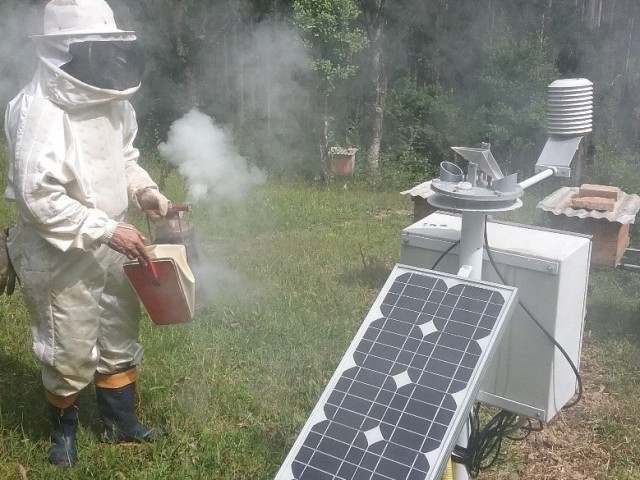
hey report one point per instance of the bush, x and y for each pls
(617, 169)
(417, 126)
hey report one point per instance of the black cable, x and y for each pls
(444, 254)
(527, 311)
(485, 443)
(537, 322)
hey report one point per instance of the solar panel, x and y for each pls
(397, 402)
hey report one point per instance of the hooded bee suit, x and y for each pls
(73, 171)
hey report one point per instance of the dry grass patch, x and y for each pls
(574, 445)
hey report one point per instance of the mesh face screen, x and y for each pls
(397, 401)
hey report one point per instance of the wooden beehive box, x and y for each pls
(419, 196)
(609, 239)
(343, 160)
(601, 211)
(421, 208)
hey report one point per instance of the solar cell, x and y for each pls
(399, 397)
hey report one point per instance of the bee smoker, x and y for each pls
(174, 228)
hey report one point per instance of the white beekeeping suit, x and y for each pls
(73, 172)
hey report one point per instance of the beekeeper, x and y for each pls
(73, 173)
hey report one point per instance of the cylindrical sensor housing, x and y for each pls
(570, 107)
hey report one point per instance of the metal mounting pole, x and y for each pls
(472, 244)
(471, 256)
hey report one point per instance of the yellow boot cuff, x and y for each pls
(116, 380)
(61, 402)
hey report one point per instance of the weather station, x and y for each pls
(476, 312)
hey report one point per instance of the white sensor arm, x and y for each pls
(538, 177)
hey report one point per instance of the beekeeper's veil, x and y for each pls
(81, 37)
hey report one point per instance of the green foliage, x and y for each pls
(484, 65)
(508, 105)
(329, 31)
(501, 102)
(617, 169)
(406, 170)
(419, 123)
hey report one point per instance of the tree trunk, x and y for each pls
(240, 113)
(379, 80)
(594, 12)
(629, 43)
(183, 52)
(324, 144)
(373, 156)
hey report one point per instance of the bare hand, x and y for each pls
(130, 242)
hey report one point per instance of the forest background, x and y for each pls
(402, 80)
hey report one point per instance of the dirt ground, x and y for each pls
(567, 448)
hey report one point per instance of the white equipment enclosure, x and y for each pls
(528, 375)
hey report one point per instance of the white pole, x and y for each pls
(471, 256)
(472, 244)
(459, 470)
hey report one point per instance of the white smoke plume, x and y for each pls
(217, 281)
(18, 20)
(206, 158)
(275, 67)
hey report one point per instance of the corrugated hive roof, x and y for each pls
(422, 190)
(559, 203)
(342, 151)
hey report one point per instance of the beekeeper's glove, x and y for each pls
(7, 273)
(153, 203)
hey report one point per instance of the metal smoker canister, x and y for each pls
(174, 229)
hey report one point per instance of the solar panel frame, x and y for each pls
(464, 398)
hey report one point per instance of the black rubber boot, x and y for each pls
(117, 408)
(63, 452)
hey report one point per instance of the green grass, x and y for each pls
(613, 320)
(293, 271)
